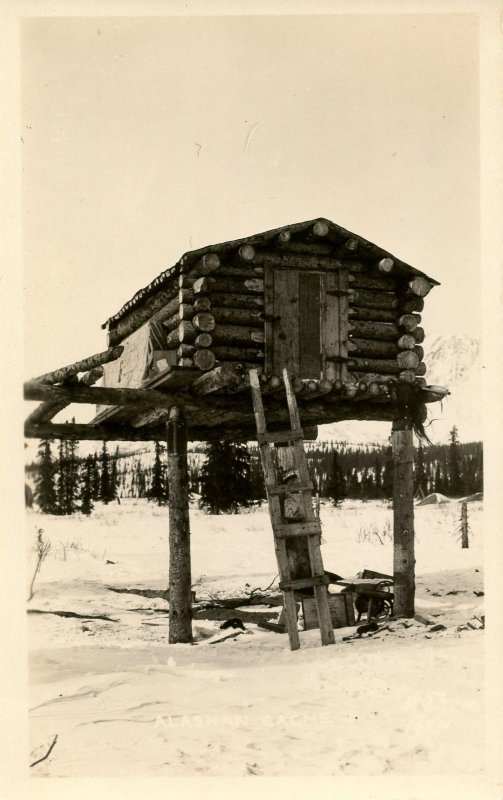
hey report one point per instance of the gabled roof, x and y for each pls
(335, 234)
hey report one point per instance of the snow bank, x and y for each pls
(125, 702)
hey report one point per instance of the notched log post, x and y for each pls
(180, 601)
(403, 519)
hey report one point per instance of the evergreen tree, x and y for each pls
(336, 483)
(114, 479)
(72, 487)
(226, 478)
(61, 476)
(420, 478)
(67, 484)
(95, 479)
(354, 489)
(105, 482)
(45, 491)
(378, 490)
(256, 477)
(367, 484)
(455, 481)
(86, 492)
(439, 482)
(157, 489)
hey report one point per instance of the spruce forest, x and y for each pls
(227, 477)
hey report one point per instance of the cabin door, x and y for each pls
(306, 322)
(294, 338)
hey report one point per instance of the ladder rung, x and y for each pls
(304, 583)
(310, 528)
(291, 488)
(280, 436)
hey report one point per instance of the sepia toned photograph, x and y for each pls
(253, 440)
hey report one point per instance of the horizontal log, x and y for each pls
(408, 322)
(246, 252)
(410, 304)
(184, 332)
(49, 408)
(204, 322)
(185, 350)
(183, 311)
(372, 299)
(341, 410)
(239, 316)
(320, 228)
(419, 286)
(386, 332)
(372, 377)
(407, 376)
(243, 271)
(407, 359)
(204, 359)
(418, 335)
(372, 348)
(300, 261)
(311, 248)
(135, 319)
(232, 300)
(219, 378)
(379, 365)
(386, 265)
(203, 340)
(230, 353)
(70, 371)
(204, 265)
(157, 309)
(364, 281)
(371, 314)
(406, 342)
(237, 334)
(234, 285)
(202, 303)
(98, 433)
(101, 395)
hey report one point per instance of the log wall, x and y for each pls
(214, 309)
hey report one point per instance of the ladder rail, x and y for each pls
(308, 526)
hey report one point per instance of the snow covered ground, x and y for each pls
(123, 702)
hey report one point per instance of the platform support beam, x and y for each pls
(403, 519)
(180, 600)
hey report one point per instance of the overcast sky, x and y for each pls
(147, 137)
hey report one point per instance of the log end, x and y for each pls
(247, 252)
(386, 265)
(320, 228)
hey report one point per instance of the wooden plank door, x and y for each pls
(293, 327)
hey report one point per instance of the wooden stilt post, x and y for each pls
(180, 601)
(403, 519)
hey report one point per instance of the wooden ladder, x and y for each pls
(307, 526)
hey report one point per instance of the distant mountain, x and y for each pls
(451, 361)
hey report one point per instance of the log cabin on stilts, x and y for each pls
(262, 338)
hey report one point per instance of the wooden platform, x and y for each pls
(229, 414)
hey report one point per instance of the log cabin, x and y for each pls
(340, 312)
(188, 353)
